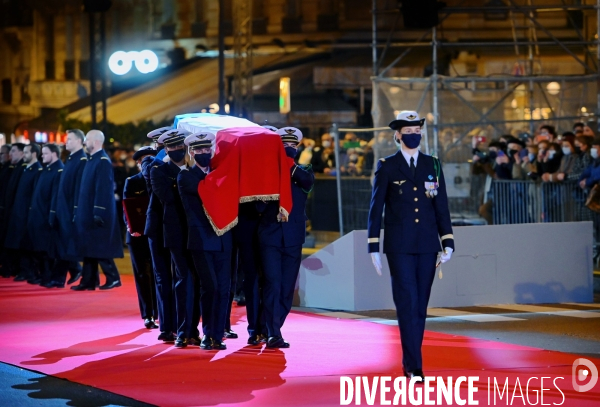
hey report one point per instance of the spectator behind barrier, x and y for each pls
(567, 162)
(583, 160)
(305, 151)
(588, 132)
(551, 160)
(323, 158)
(503, 163)
(591, 175)
(527, 164)
(546, 132)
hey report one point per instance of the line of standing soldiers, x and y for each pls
(185, 271)
(53, 215)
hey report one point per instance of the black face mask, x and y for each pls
(176, 155)
(493, 155)
(203, 160)
(291, 152)
(512, 152)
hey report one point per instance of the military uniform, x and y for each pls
(211, 253)
(164, 186)
(96, 224)
(416, 218)
(5, 175)
(161, 256)
(281, 245)
(12, 258)
(43, 236)
(141, 259)
(62, 213)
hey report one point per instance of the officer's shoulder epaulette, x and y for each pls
(83, 158)
(382, 160)
(40, 169)
(60, 170)
(105, 158)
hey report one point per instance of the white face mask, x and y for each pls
(594, 152)
(551, 154)
(531, 156)
(327, 144)
(566, 151)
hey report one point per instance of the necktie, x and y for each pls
(412, 166)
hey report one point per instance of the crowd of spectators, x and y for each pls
(545, 157)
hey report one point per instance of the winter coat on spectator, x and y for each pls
(591, 174)
(582, 161)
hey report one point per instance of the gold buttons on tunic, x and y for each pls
(416, 199)
(416, 209)
(417, 220)
(415, 188)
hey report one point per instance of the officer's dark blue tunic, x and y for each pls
(161, 256)
(63, 211)
(96, 198)
(43, 236)
(10, 190)
(211, 254)
(281, 250)
(5, 175)
(164, 185)
(414, 225)
(139, 251)
(17, 236)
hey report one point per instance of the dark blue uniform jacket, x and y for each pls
(201, 235)
(414, 223)
(135, 187)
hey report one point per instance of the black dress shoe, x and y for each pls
(277, 342)
(20, 277)
(52, 284)
(149, 323)
(254, 340)
(74, 278)
(217, 344)
(194, 341)
(34, 281)
(181, 343)
(109, 286)
(417, 373)
(229, 334)
(166, 337)
(241, 301)
(81, 287)
(206, 343)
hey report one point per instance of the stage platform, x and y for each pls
(97, 339)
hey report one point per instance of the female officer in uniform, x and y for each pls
(411, 187)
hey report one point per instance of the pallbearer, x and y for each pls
(281, 242)
(211, 253)
(411, 186)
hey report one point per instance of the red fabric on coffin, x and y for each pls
(249, 164)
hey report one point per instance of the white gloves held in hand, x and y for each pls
(446, 254)
(376, 259)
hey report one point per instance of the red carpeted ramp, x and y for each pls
(97, 338)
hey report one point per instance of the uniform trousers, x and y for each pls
(214, 272)
(187, 293)
(249, 262)
(281, 266)
(62, 267)
(90, 276)
(163, 277)
(412, 276)
(141, 262)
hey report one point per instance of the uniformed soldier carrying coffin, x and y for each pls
(411, 186)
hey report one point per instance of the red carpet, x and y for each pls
(97, 338)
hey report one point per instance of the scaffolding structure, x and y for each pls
(525, 86)
(242, 51)
(98, 79)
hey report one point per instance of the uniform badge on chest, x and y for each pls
(431, 189)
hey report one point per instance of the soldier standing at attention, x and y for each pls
(97, 229)
(411, 186)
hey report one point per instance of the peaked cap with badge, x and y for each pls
(202, 139)
(173, 137)
(406, 118)
(155, 134)
(290, 135)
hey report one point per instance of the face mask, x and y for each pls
(411, 140)
(594, 153)
(551, 154)
(176, 155)
(531, 156)
(566, 151)
(327, 144)
(353, 157)
(203, 160)
(291, 152)
(512, 152)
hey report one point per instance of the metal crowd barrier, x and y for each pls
(534, 202)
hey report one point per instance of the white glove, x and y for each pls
(376, 258)
(446, 254)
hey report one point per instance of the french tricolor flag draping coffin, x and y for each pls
(249, 164)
